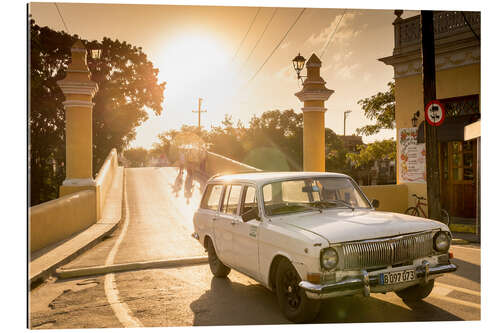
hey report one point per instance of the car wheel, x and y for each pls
(417, 292)
(291, 298)
(216, 266)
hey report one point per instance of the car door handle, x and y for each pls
(214, 219)
(233, 222)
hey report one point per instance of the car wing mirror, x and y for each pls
(375, 203)
(251, 214)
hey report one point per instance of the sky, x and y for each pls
(198, 54)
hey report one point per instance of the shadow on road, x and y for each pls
(467, 270)
(231, 303)
(177, 186)
(360, 309)
(188, 187)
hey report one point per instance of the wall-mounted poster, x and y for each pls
(411, 157)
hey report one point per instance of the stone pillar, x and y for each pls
(314, 94)
(79, 91)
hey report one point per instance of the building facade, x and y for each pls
(458, 61)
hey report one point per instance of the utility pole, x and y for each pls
(429, 85)
(199, 111)
(345, 117)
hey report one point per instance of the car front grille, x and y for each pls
(387, 251)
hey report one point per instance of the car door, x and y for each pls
(226, 219)
(209, 210)
(246, 235)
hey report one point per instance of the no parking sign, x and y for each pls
(434, 113)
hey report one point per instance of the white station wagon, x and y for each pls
(310, 236)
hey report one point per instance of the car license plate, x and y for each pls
(398, 277)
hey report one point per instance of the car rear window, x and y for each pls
(231, 199)
(212, 197)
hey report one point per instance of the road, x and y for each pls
(159, 205)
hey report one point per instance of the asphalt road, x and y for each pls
(159, 208)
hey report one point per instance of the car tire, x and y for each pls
(216, 266)
(417, 292)
(292, 299)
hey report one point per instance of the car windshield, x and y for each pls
(300, 195)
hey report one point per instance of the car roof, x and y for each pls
(266, 177)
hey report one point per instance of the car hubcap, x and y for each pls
(292, 289)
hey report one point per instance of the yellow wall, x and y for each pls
(56, 220)
(104, 180)
(392, 198)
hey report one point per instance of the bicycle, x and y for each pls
(418, 211)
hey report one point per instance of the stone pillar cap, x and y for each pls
(313, 61)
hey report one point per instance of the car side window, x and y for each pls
(212, 196)
(249, 199)
(231, 199)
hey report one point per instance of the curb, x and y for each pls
(38, 277)
(459, 241)
(100, 270)
(469, 228)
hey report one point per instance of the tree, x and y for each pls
(128, 84)
(376, 151)
(136, 156)
(381, 108)
(272, 141)
(335, 153)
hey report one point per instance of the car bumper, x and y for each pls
(366, 283)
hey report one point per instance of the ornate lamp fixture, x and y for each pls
(95, 53)
(298, 65)
(414, 120)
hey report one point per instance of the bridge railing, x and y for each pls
(104, 179)
(56, 220)
(216, 163)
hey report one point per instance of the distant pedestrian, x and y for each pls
(182, 162)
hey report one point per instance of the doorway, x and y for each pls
(458, 177)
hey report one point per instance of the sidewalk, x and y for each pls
(465, 238)
(44, 262)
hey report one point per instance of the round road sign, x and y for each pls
(434, 113)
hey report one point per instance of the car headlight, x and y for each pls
(442, 241)
(329, 258)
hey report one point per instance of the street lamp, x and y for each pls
(345, 117)
(298, 65)
(414, 119)
(95, 53)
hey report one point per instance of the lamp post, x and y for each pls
(345, 117)
(313, 94)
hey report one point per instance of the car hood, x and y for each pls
(343, 225)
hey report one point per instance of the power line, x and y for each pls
(261, 35)
(244, 38)
(332, 34)
(278, 45)
(60, 15)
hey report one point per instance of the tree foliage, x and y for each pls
(369, 153)
(271, 141)
(136, 156)
(128, 84)
(380, 107)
